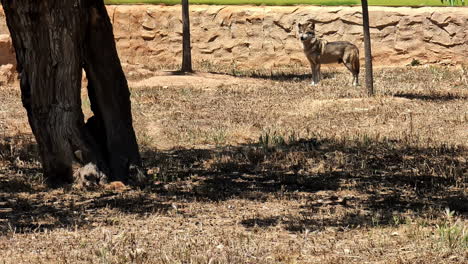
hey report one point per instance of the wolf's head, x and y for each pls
(306, 30)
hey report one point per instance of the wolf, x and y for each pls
(319, 51)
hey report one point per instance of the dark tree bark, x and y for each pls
(186, 49)
(54, 40)
(367, 49)
(109, 94)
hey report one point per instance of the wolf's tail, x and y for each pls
(355, 57)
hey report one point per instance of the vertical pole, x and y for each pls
(186, 49)
(367, 49)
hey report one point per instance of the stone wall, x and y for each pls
(255, 37)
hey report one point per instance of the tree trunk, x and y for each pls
(54, 41)
(109, 95)
(367, 49)
(186, 49)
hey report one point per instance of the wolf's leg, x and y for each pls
(355, 79)
(319, 73)
(353, 71)
(314, 74)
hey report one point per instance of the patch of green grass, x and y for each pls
(414, 3)
(296, 2)
(453, 232)
(272, 138)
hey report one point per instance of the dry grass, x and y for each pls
(259, 167)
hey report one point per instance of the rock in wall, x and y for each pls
(265, 37)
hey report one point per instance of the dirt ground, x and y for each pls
(259, 167)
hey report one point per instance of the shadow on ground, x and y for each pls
(384, 178)
(281, 76)
(435, 97)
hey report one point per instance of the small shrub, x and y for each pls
(453, 233)
(415, 62)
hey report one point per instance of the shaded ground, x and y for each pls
(260, 169)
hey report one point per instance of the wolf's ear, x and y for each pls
(298, 26)
(310, 23)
